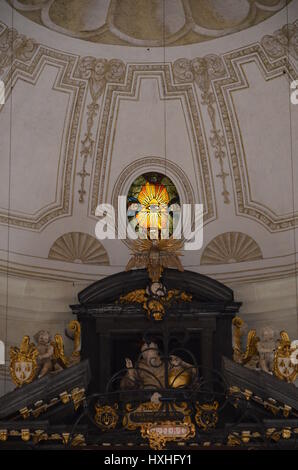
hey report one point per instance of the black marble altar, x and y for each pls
(112, 331)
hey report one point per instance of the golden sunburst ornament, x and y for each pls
(151, 194)
(154, 199)
(155, 255)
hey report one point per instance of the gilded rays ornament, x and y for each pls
(151, 200)
(154, 199)
(155, 255)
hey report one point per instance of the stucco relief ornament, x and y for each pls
(282, 42)
(202, 70)
(15, 46)
(98, 72)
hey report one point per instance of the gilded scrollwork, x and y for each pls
(207, 415)
(144, 409)
(155, 306)
(106, 416)
(75, 327)
(250, 355)
(160, 433)
(39, 435)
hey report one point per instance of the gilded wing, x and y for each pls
(171, 260)
(171, 245)
(251, 346)
(59, 351)
(75, 327)
(140, 254)
(138, 260)
(140, 245)
(144, 255)
(285, 339)
(131, 263)
(138, 296)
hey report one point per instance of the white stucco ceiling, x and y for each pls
(222, 128)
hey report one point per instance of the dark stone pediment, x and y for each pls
(202, 288)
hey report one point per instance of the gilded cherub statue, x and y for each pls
(266, 348)
(259, 352)
(45, 359)
(29, 361)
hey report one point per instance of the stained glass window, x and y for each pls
(152, 201)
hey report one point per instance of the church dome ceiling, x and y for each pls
(147, 23)
(82, 122)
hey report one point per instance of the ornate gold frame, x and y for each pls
(106, 416)
(158, 441)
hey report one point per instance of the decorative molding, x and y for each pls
(231, 247)
(98, 72)
(15, 46)
(78, 247)
(29, 70)
(28, 66)
(184, 92)
(282, 42)
(87, 275)
(202, 71)
(148, 164)
(236, 80)
(146, 23)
